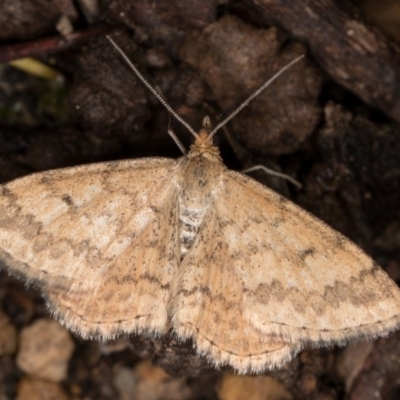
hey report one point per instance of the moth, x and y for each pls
(144, 246)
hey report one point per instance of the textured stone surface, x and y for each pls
(45, 349)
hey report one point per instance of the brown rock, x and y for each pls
(378, 375)
(45, 350)
(36, 389)
(155, 384)
(8, 335)
(125, 382)
(237, 387)
(235, 59)
(351, 361)
(21, 19)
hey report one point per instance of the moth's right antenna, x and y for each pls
(153, 90)
(254, 95)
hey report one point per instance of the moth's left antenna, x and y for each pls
(152, 89)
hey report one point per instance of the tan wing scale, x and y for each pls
(102, 247)
(208, 307)
(302, 281)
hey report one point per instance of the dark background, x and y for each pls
(331, 122)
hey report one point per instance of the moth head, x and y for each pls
(203, 143)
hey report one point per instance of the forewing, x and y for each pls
(100, 240)
(208, 307)
(300, 279)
